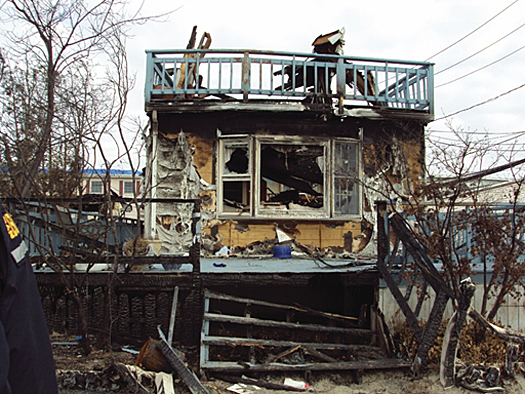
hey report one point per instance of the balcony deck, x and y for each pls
(214, 80)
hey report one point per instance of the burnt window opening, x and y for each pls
(291, 174)
(263, 176)
(236, 178)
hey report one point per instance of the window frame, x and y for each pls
(130, 184)
(224, 142)
(99, 183)
(262, 212)
(358, 182)
(253, 177)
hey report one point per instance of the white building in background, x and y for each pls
(121, 183)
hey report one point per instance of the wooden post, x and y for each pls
(173, 314)
(382, 253)
(447, 371)
(195, 249)
(245, 81)
(194, 303)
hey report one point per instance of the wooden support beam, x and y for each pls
(232, 342)
(278, 324)
(419, 255)
(412, 320)
(451, 339)
(219, 366)
(500, 332)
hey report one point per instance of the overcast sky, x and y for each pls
(403, 29)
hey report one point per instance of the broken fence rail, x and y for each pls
(52, 227)
(262, 314)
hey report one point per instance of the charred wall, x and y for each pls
(391, 147)
(131, 308)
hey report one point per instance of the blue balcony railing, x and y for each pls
(182, 75)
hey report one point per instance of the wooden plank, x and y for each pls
(259, 383)
(277, 324)
(217, 366)
(332, 236)
(308, 234)
(228, 341)
(322, 356)
(173, 314)
(420, 255)
(403, 304)
(283, 354)
(187, 375)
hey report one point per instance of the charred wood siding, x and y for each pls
(136, 304)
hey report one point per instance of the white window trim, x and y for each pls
(132, 188)
(359, 183)
(241, 139)
(92, 187)
(321, 213)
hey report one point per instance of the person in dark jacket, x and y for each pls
(26, 359)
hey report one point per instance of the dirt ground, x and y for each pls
(94, 374)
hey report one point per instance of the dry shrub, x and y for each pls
(476, 346)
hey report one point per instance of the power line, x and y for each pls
(481, 50)
(472, 32)
(493, 142)
(478, 132)
(479, 104)
(482, 68)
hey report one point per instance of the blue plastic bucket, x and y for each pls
(282, 252)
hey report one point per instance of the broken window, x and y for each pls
(292, 178)
(235, 176)
(288, 176)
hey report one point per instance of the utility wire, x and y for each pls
(482, 103)
(482, 68)
(492, 140)
(472, 32)
(481, 50)
(504, 133)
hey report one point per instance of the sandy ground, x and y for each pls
(378, 382)
(394, 382)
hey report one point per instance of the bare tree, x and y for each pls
(455, 224)
(56, 35)
(60, 107)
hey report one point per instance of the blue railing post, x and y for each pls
(430, 87)
(149, 77)
(341, 83)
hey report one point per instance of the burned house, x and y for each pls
(284, 156)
